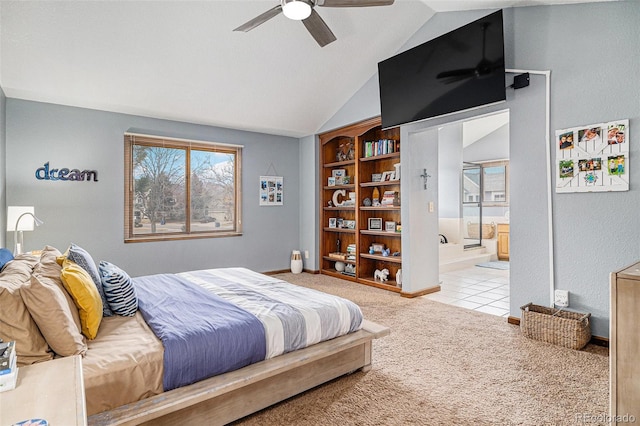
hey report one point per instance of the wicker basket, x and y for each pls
(473, 230)
(568, 329)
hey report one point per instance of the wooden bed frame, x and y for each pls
(231, 396)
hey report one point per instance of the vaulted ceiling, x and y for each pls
(181, 60)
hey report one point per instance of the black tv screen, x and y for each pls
(459, 70)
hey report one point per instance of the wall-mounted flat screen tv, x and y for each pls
(458, 70)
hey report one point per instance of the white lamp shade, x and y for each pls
(27, 222)
(296, 9)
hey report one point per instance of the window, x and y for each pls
(495, 178)
(179, 189)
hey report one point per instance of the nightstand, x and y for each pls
(51, 390)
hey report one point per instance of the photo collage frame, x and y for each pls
(593, 158)
(271, 190)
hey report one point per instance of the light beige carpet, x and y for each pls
(443, 365)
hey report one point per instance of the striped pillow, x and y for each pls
(118, 289)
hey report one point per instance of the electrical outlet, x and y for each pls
(561, 298)
(306, 254)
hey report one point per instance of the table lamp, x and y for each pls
(17, 222)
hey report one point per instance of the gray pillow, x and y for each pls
(83, 259)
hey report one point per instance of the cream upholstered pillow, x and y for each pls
(85, 295)
(50, 310)
(16, 322)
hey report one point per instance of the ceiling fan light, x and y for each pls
(296, 9)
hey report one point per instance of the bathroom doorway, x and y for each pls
(473, 173)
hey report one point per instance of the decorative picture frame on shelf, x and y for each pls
(377, 247)
(339, 180)
(333, 222)
(375, 224)
(388, 176)
(331, 181)
(390, 226)
(351, 201)
(397, 171)
(350, 224)
(338, 173)
(376, 177)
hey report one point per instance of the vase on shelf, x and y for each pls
(296, 262)
(375, 195)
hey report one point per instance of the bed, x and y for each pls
(212, 345)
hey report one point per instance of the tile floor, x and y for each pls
(481, 289)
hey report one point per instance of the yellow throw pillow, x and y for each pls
(85, 295)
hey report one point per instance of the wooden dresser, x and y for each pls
(624, 344)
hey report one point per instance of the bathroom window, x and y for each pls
(495, 178)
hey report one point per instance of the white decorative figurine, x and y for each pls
(382, 275)
(399, 278)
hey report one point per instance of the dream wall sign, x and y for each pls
(593, 158)
(75, 175)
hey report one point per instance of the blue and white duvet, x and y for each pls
(246, 316)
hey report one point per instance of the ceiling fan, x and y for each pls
(302, 10)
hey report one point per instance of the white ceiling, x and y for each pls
(181, 60)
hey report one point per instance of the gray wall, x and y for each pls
(309, 193)
(420, 266)
(561, 38)
(450, 171)
(90, 214)
(558, 38)
(3, 174)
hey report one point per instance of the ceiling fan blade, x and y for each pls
(260, 19)
(319, 29)
(353, 3)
